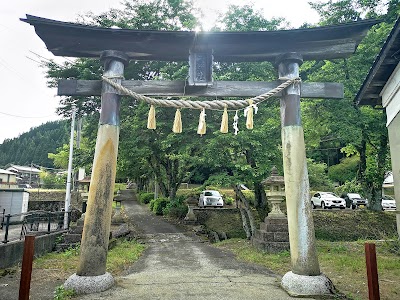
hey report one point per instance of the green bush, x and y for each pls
(63, 294)
(158, 205)
(349, 187)
(228, 200)
(151, 204)
(176, 208)
(249, 195)
(184, 194)
(146, 197)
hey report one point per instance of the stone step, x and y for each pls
(76, 229)
(63, 246)
(271, 236)
(274, 227)
(271, 247)
(70, 238)
(275, 221)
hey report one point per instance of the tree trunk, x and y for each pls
(243, 199)
(373, 185)
(259, 194)
(244, 221)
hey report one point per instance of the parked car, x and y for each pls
(388, 203)
(25, 186)
(327, 200)
(354, 200)
(210, 198)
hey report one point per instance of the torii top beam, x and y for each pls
(75, 40)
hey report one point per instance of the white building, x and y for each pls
(14, 201)
(8, 179)
(25, 174)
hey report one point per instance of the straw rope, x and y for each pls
(211, 105)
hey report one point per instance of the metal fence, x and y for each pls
(16, 226)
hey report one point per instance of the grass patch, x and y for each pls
(342, 262)
(124, 254)
(278, 263)
(354, 225)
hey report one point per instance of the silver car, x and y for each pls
(210, 198)
(388, 203)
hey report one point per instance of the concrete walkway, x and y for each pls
(178, 265)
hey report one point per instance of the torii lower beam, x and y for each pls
(314, 90)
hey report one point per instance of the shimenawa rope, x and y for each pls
(211, 105)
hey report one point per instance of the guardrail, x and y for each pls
(32, 222)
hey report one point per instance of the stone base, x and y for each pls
(302, 285)
(89, 284)
(190, 222)
(273, 235)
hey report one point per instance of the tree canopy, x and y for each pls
(333, 129)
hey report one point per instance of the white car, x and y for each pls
(210, 198)
(388, 203)
(327, 200)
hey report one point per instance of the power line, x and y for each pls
(25, 117)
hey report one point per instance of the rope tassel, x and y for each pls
(201, 129)
(151, 120)
(177, 128)
(249, 113)
(224, 122)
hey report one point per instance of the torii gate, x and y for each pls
(115, 47)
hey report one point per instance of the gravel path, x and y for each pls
(178, 265)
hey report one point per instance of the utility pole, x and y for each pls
(71, 150)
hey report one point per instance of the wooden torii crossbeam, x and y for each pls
(286, 48)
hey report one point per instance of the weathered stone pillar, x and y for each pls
(91, 275)
(301, 227)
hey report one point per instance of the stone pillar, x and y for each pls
(305, 278)
(91, 275)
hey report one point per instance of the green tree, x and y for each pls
(362, 128)
(346, 170)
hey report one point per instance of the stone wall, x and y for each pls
(12, 252)
(52, 200)
(221, 220)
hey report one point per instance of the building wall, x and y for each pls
(391, 101)
(8, 181)
(14, 202)
(8, 178)
(394, 138)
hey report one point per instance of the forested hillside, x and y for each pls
(34, 145)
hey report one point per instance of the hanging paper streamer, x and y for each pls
(202, 123)
(151, 120)
(224, 122)
(177, 128)
(235, 123)
(249, 112)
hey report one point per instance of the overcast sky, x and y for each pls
(26, 101)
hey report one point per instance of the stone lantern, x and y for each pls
(275, 193)
(273, 235)
(190, 216)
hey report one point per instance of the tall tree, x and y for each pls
(359, 129)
